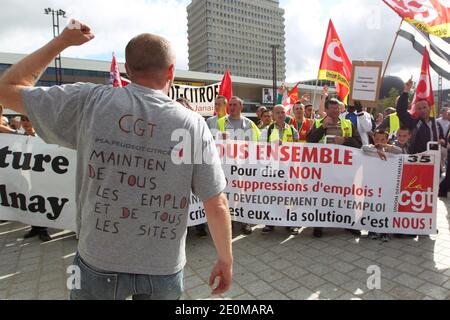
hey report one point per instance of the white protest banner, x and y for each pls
(201, 99)
(37, 184)
(304, 185)
(311, 185)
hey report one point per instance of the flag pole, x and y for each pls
(315, 92)
(392, 50)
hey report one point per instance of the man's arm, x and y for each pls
(26, 72)
(442, 140)
(385, 124)
(402, 107)
(6, 129)
(323, 101)
(316, 134)
(219, 223)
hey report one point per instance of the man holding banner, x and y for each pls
(333, 129)
(424, 129)
(132, 191)
(237, 127)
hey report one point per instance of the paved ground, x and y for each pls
(268, 267)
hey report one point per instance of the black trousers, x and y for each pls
(443, 187)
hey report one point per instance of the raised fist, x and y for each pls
(76, 33)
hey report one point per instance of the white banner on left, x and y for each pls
(37, 182)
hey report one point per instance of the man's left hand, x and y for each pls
(223, 271)
(339, 140)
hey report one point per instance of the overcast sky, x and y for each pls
(366, 27)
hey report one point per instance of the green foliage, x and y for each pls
(389, 101)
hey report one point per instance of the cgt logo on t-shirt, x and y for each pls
(416, 190)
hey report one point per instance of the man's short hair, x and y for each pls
(262, 108)
(423, 100)
(225, 100)
(332, 101)
(238, 99)
(404, 128)
(149, 54)
(279, 106)
(383, 132)
(390, 111)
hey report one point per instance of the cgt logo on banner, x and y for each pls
(416, 191)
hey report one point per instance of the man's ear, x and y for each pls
(171, 72)
(128, 71)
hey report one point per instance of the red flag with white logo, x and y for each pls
(115, 78)
(335, 64)
(424, 88)
(431, 16)
(291, 99)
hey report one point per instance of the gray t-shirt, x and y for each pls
(237, 124)
(132, 198)
(212, 123)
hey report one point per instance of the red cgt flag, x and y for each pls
(335, 64)
(291, 99)
(424, 88)
(115, 78)
(431, 16)
(226, 87)
(293, 94)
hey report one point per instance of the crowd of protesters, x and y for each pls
(395, 131)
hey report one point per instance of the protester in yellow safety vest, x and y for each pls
(391, 122)
(394, 123)
(235, 126)
(280, 132)
(220, 110)
(341, 132)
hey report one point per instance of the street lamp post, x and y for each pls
(274, 69)
(55, 20)
(440, 94)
